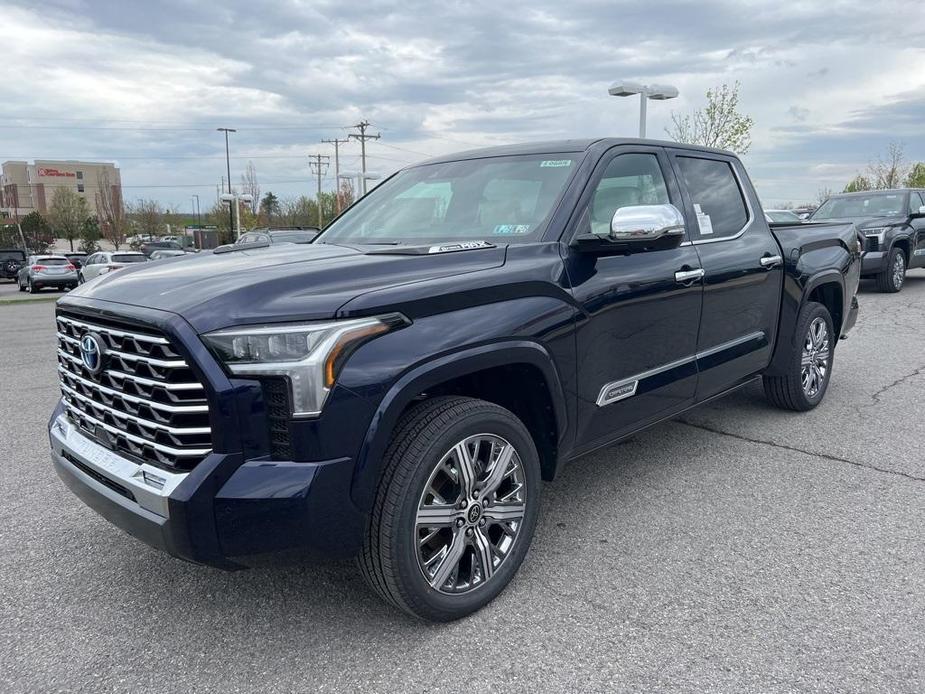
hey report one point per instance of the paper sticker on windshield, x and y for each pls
(555, 163)
(506, 229)
(703, 221)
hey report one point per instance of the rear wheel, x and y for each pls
(891, 280)
(455, 510)
(810, 365)
(30, 288)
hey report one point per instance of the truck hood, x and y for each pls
(277, 283)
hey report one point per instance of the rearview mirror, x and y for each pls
(637, 228)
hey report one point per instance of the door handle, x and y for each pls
(770, 261)
(683, 276)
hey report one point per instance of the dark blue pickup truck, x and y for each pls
(397, 390)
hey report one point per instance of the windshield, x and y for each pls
(499, 199)
(783, 216)
(129, 258)
(293, 236)
(867, 205)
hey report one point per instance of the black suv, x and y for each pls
(893, 222)
(11, 262)
(396, 390)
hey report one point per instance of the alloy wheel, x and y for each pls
(899, 270)
(470, 513)
(816, 356)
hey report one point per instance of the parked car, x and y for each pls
(44, 271)
(166, 253)
(279, 235)
(893, 222)
(103, 262)
(11, 262)
(397, 389)
(781, 217)
(151, 246)
(77, 259)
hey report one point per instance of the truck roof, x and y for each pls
(562, 146)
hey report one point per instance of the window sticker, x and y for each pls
(703, 221)
(507, 229)
(555, 163)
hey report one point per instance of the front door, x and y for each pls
(743, 266)
(637, 335)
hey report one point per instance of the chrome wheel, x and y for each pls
(899, 270)
(470, 513)
(816, 356)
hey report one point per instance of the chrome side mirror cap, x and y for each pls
(646, 223)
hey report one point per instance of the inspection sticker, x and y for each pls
(703, 221)
(506, 229)
(555, 163)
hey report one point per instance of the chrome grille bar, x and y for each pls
(141, 337)
(137, 439)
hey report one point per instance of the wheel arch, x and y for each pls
(489, 372)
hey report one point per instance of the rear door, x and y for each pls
(743, 269)
(638, 334)
(92, 267)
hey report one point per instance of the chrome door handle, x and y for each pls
(688, 275)
(770, 261)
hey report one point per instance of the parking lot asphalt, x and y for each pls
(737, 549)
(9, 292)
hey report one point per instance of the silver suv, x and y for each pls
(41, 271)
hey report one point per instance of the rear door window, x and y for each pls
(715, 194)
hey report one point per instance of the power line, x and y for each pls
(363, 137)
(319, 167)
(337, 143)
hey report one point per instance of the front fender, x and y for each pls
(368, 467)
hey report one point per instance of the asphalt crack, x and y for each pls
(898, 382)
(794, 449)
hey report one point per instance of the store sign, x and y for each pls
(55, 172)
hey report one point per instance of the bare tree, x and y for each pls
(149, 216)
(824, 194)
(250, 186)
(890, 171)
(67, 214)
(719, 124)
(110, 212)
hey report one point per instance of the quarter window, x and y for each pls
(715, 194)
(630, 179)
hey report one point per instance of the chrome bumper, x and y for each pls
(150, 486)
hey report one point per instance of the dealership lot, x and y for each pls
(739, 548)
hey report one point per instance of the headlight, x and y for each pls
(309, 355)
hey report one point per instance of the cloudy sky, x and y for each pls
(145, 84)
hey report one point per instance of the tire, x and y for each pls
(792, 391)
(30, 288)
(20, 285)
(421, 458)
(891, 280)
(80, 278)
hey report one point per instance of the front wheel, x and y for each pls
(804, 384)
(455, 509)
(891, 280)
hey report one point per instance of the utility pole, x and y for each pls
(228, 169)
(363, 137)
(337, 143)
(319, 167)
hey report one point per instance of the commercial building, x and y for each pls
(26, 187)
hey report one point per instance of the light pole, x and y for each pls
(656, 92)
(198, 211)
(228, 170)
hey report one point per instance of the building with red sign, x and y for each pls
(26, 187)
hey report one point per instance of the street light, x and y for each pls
(228, 161)
(198, 211)
(656, 92)
(236, 199)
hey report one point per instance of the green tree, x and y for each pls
(719, 124)
(857, 184)
(269, 206)
(916, 177)
(67, 213)
(89, 236)
(37, 232)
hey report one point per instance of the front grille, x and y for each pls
(146, 403)
(872, 244)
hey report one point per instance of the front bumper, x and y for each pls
(220, 510)
(874, 262)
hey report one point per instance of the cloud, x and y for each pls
(827, 83)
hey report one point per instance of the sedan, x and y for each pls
(41, 271)
(106, 261)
